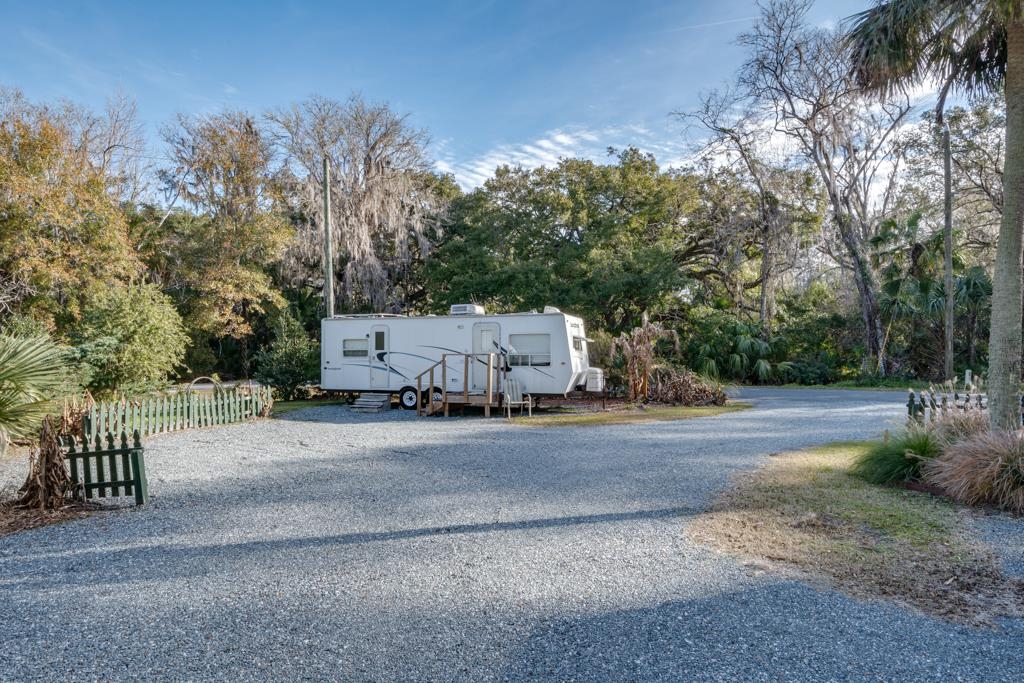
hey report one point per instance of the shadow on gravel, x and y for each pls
(88, 567)
(777, 632)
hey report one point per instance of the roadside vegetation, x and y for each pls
(772, 268)
(627, 414)
(806, 511)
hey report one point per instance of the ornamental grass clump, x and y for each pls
(960, 425)
(986, 468)
(899, 459)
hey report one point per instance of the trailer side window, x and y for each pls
(355, 348)
(529, 349)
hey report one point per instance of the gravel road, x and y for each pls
(337, 546)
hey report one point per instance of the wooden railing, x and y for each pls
(496, 364)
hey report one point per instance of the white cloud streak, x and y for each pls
(563, 143)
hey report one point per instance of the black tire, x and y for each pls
(407, 398)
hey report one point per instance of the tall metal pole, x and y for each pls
(328, 244)
(948, 230)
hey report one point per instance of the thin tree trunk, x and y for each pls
(972, 333)
(1005, 339)
(948, 235)
(767, 285)
(864, 278)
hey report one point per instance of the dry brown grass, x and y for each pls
(13, 520)
(985, 468)
(629, 415)
(805, 512)
(960, 425)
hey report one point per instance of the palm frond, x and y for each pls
(31, 370)
(962, 43)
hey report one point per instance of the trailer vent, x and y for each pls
(467, 309)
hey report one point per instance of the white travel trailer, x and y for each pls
(546, 352)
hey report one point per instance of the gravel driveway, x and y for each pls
(337, 546)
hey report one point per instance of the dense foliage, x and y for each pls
(799, 244)
(290, 360)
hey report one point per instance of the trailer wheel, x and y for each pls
(407, 398)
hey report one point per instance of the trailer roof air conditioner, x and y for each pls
(467, 309)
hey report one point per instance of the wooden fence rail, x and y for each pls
(192, 410)
(931, 404)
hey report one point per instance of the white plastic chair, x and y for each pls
(514, 396)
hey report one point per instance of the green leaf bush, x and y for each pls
(291, 361)
(130, 340)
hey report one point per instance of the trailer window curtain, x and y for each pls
(529, 349)
(355, 348)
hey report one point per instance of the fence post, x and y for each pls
(139, 471)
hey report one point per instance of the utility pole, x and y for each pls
(948, 230)
(328, 244)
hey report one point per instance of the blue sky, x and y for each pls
(493, 82)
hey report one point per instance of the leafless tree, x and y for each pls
(382, 206)
(738, 138)
(800, 78)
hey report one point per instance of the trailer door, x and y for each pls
(486, 339)
(380, 362)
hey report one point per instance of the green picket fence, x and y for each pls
(158, 414)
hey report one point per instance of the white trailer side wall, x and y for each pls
(387, 353)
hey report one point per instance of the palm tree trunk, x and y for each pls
(1005, 339)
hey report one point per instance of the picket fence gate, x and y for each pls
(108, 471)
(158, 414)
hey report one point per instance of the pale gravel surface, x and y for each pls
(335, 546)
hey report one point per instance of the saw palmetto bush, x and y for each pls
(31, 371)
(986, 468)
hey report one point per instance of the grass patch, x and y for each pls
(900, 458)
(806, 511)
(284, 407)
(630, 416)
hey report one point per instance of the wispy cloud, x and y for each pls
(710, 24)
(74, 67)
(562, 143)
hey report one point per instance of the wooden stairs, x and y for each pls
(488, 396)
(372, 403)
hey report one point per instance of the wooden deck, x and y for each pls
(489, 397)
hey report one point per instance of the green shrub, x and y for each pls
(900, 458)
(808, 373)
(291, 360)
(130, 340)
(983, 468)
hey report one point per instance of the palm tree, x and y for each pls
(30, 372)
(974, 47)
